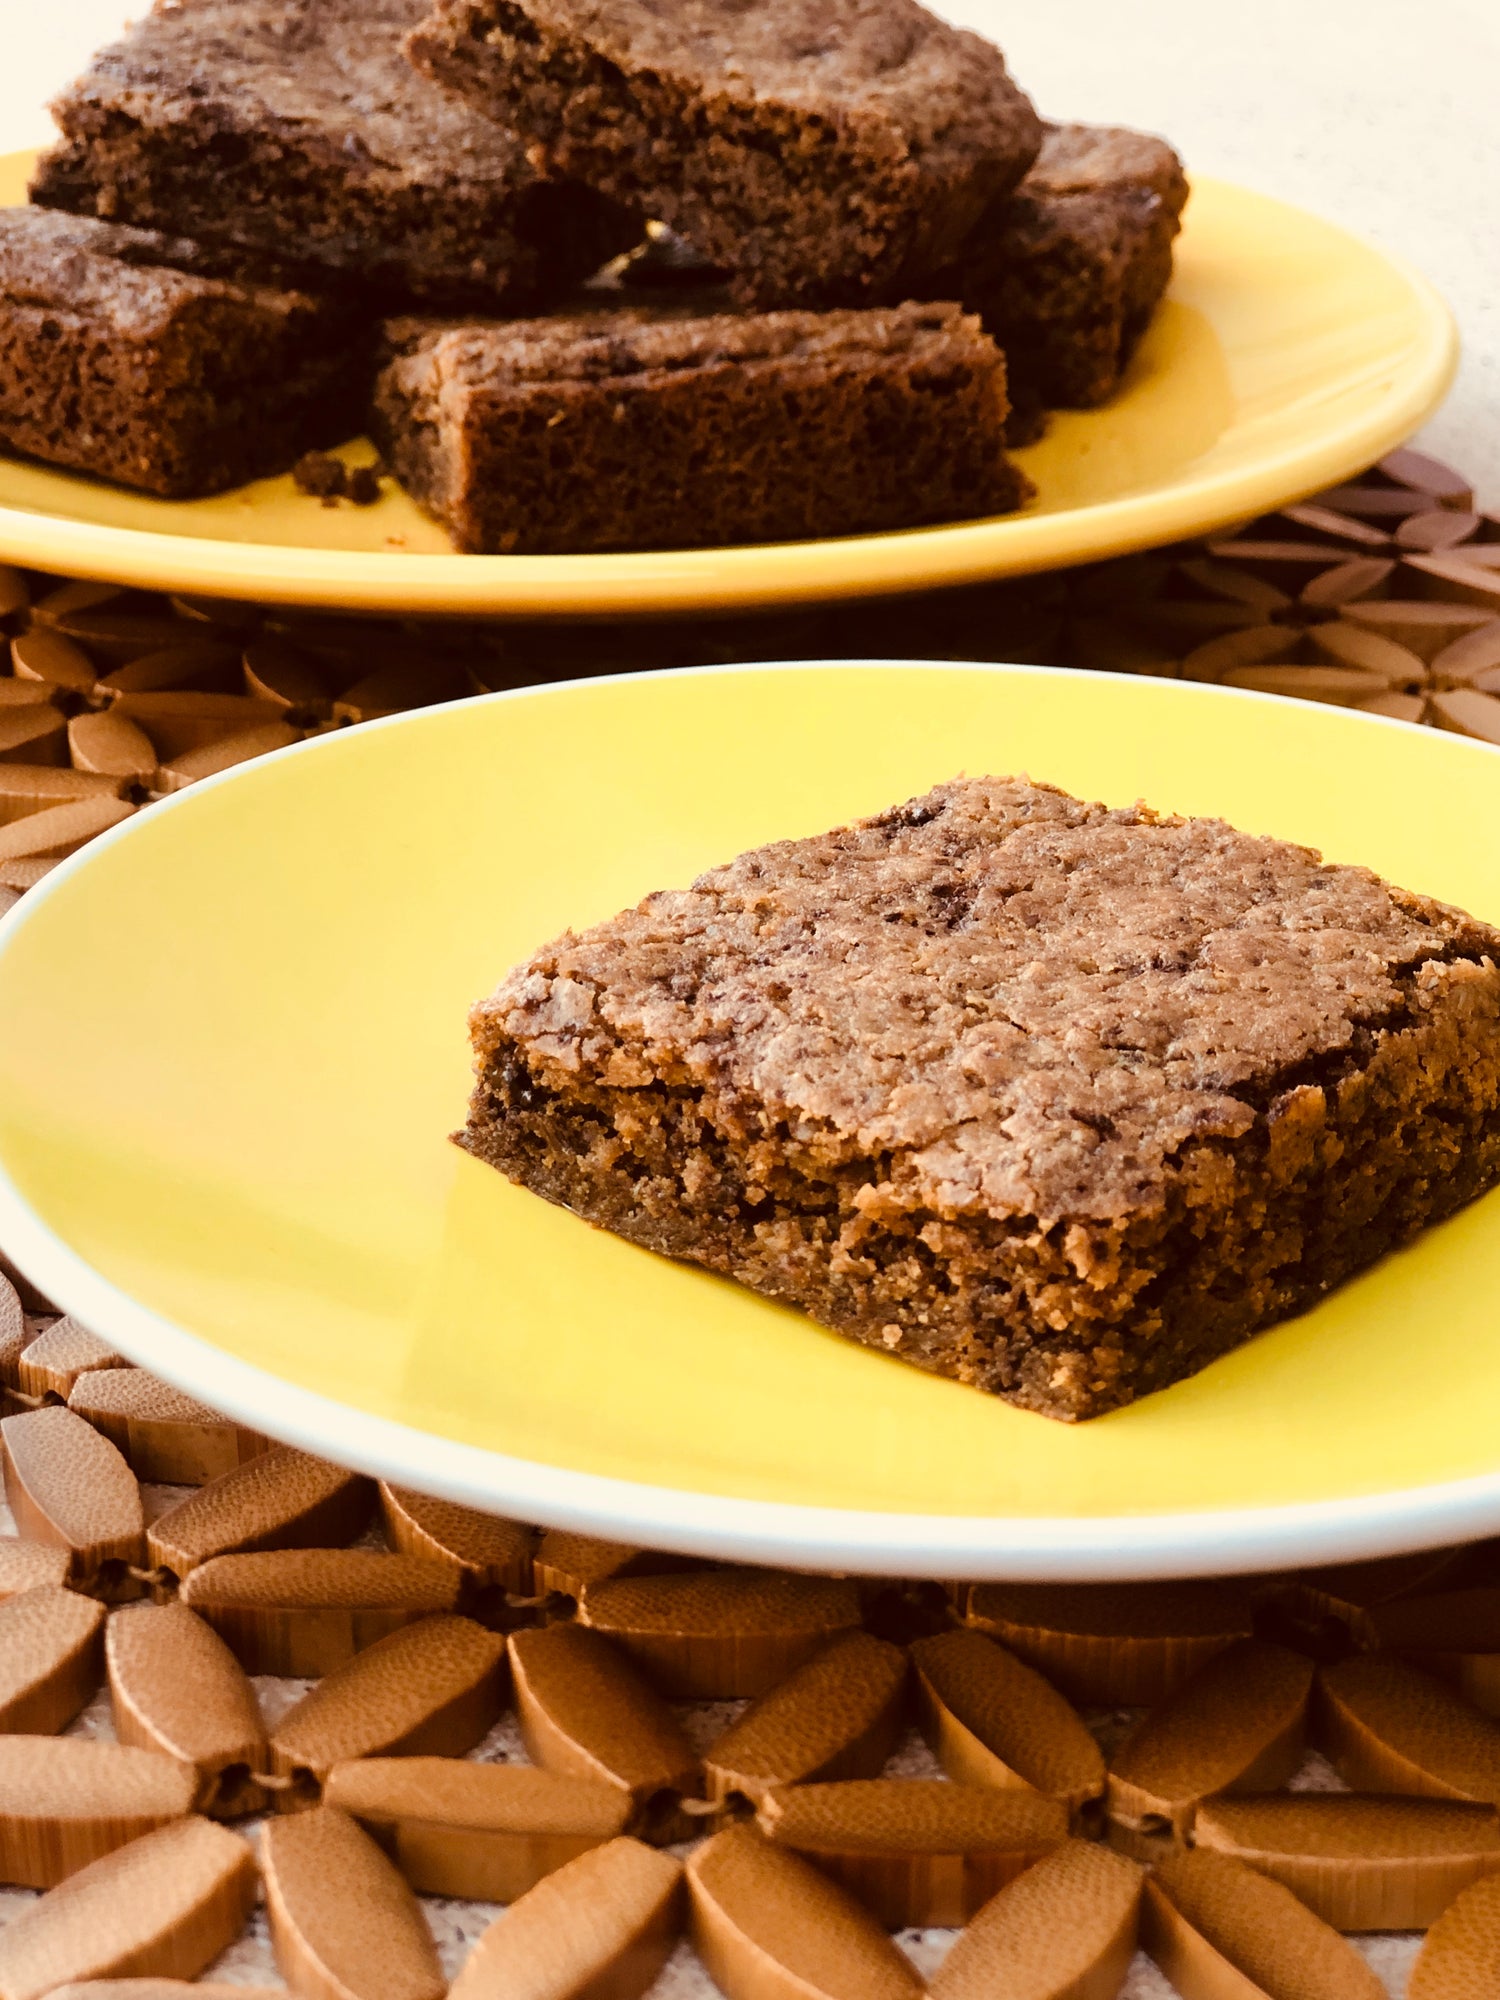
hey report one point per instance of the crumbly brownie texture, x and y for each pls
(1059, 1100)
(1067, 271)
(631, 429)
(296, 130)
(829, 152)
(118, 358)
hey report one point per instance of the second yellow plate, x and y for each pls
(232, 1044)
(1287, 355)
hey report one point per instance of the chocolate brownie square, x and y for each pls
(296, 130)
(1067, 271)
(828, 152)
(120, 358)
(1056, 1099)
(633, 429)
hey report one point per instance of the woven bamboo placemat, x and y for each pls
(456, 1925)
(1382, 595)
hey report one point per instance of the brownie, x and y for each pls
(296, 130)
(1056, 1099)
(621, 429)
(1067, 271)
(120, 357)
(828, 152)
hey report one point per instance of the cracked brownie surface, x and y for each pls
(296, 130)
(1058, 1099)
(829, 152)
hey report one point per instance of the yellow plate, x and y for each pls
(232, 1041)
(1287, 356)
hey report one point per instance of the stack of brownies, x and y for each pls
(596, 274)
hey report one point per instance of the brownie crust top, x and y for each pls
(1016, 1002)
(877, 64)
(1101, 187)
(634, 342)
(136, 279)
(1101, 159)
(324, 75)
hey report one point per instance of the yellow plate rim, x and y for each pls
(769, 574)
(1096, 1548)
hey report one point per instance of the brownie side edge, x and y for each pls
(703, 449)
(1067, 272)
(175, 385)
(1066, 1320)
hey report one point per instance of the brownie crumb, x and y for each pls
(321, 476)
(362, 487)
